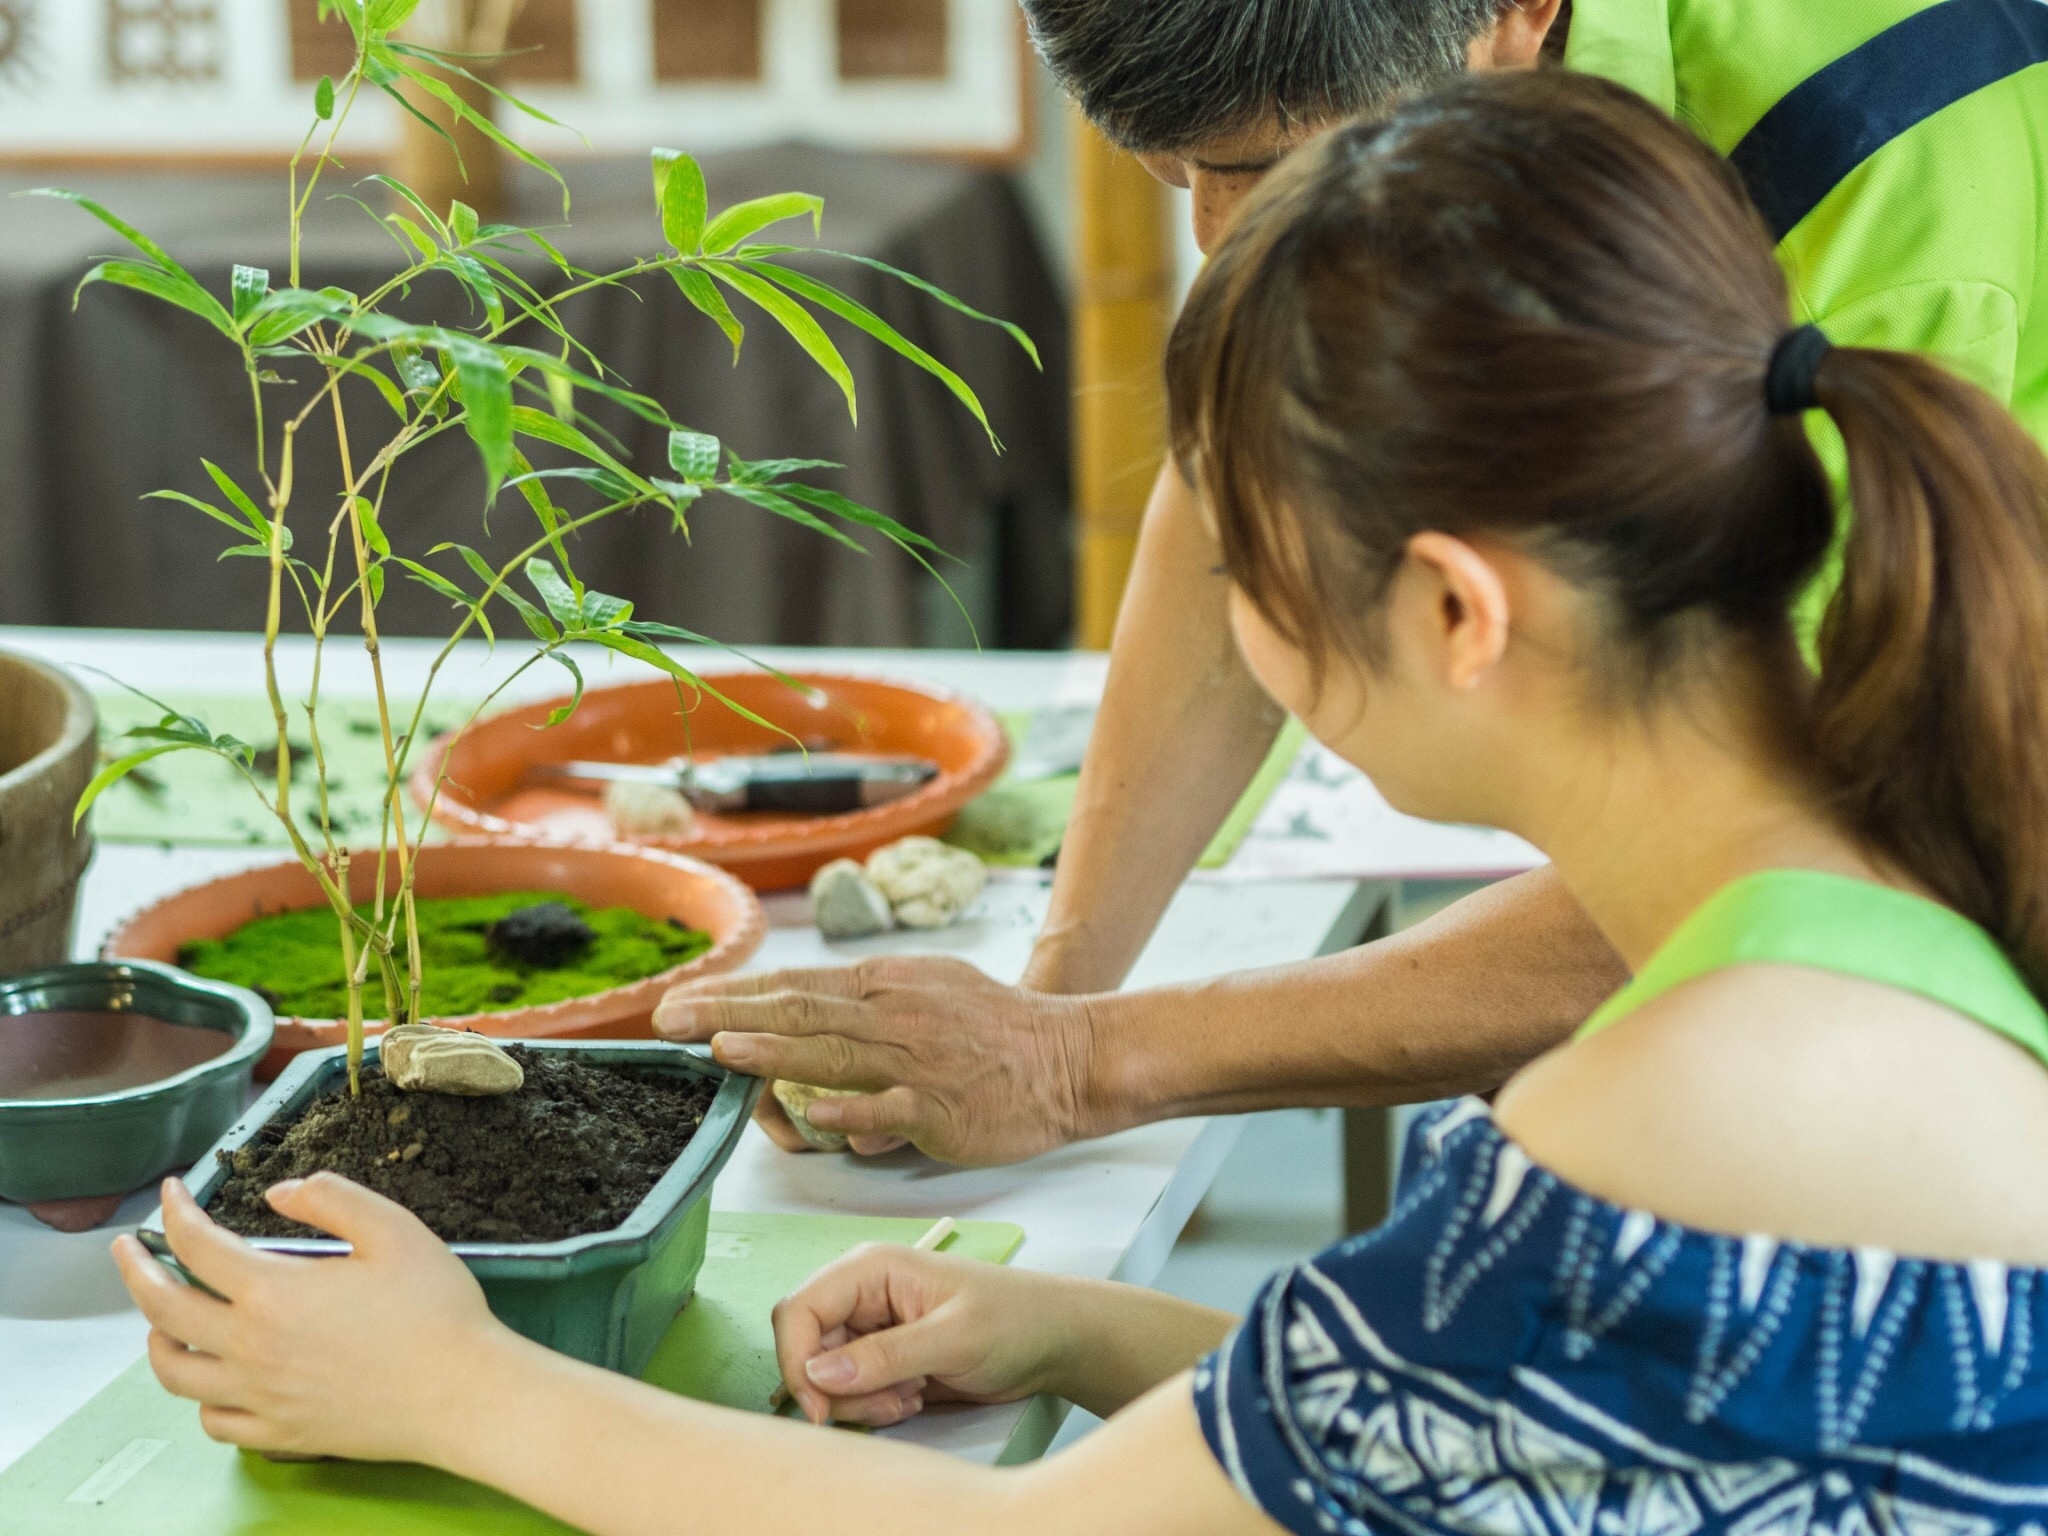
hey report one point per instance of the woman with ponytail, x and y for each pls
(1503, 424)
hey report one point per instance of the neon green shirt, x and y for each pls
(1851, 927)
(1932, 243)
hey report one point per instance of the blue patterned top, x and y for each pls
(1510, 1356)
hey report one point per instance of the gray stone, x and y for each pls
(846, 904)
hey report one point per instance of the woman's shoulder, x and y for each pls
(1807, 1104)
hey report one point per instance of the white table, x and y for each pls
(1111, 1208)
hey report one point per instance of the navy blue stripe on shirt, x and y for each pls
(1808, 143)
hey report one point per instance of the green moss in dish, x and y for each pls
(293, 960)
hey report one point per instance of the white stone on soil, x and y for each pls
(418, 1058)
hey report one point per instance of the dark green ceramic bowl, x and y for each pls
(111, 1143)
(606, 1297)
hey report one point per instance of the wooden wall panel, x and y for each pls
(892, 39)
(707, 40)
(545, 34)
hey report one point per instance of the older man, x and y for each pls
(1898, 148)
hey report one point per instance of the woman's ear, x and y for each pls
(1469, 615)
(1516, 38)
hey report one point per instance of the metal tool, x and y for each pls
(793, 783)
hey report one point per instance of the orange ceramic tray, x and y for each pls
(489, 790)
(662, 885)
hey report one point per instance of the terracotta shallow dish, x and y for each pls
(489, 790)
(660, 884)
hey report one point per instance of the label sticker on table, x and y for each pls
(116, 1473)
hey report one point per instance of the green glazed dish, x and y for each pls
(606, 1297)
(111, 1143)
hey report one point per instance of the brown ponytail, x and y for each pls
(1531, 305)
(1931, 714)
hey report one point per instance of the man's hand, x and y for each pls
(970, 1071)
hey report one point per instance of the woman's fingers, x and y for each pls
(189, 1373)
(232, 1426)
(880, 1409)
(882, 1361)
(365, 1220)
(180, 1310)
(215, 1255)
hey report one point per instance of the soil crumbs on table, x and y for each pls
(572, 1152)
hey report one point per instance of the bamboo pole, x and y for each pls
(1123, 306)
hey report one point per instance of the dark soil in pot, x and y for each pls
(572, 1152)
(482, 954)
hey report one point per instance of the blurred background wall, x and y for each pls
(927, 125)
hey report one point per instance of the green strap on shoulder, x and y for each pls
(1852, 927)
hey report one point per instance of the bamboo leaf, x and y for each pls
(485, 385)
(529, 422)
(859, 315)
(694, 456)
(703, 293)
(121, 227)
(428, 216)
(744, 219)
(373, 531)
(680, 198)
(932, 290)
(774, 501)
(797, 321)
(427, 576)
(211, 511)
(247, 286)
(561, 602)
(239, 497)
(172, 286)
(853, 512)
(284, 314)
(557, 716)
(119, 769)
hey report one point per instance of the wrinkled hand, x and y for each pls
(357, 1356)
(970, 1071)
(874, 1337)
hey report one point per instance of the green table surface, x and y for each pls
(134, 1462)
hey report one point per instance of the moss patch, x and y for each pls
(294, 960)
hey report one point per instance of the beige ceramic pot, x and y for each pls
(49, 750)
(661, 885)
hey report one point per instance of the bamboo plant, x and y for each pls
(512, 378)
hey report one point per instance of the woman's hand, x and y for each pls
(874, 1337)
(361, 1356)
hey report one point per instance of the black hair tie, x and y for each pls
(1795, 365)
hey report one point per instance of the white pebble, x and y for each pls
(929, 883)
(648, 810)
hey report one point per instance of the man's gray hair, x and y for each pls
(1162, 75)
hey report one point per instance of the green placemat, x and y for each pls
(194, 797)
(134, 1460)
(191, 797)
(1021, 826)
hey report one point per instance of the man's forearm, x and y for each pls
(1456, 1005)
(1182, 729)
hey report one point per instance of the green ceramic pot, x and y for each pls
(111, 1143)
(606, 1297)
